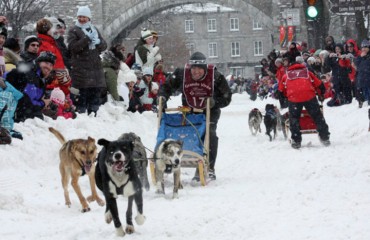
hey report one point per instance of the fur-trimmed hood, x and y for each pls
(11, 57)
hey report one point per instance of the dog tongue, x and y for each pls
(118, 165)
(87, 168)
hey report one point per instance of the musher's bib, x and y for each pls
(197, 92)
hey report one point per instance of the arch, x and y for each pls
(120, 26)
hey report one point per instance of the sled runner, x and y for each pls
(191, 126)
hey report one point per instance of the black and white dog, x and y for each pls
(167, 159)
(254, 121)
(270, 120)
(115, 175)
(139, 156)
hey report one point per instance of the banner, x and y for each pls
(283, 37)
(291, 34)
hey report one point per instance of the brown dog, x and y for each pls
(77, 158)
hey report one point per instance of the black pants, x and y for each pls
(89, 99)
(213, 138)
(313, 108)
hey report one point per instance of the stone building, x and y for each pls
(233, 40)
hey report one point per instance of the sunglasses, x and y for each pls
(35, 45)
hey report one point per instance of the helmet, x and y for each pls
(197, 58)
(46, 56)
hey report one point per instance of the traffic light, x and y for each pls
(311, 9)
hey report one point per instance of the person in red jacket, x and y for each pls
(300, 87)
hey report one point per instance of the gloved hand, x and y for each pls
(154, 109)
(212, 102)
(88, 33)
(96, 41)
(2, 83)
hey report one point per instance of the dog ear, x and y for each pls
(91, 139)
(180, 142)
(103, 142)
(132, 145)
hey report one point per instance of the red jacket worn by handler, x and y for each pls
(299, 84)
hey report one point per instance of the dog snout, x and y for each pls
(117, 156)
(88, 162)
(177, 161)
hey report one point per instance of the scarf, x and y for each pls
(89, 31)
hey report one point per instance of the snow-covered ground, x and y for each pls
(264, 190)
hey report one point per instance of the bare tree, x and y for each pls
(21, 12)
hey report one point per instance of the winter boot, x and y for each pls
(212, 174)
(296, 145)
(325, 142)
(196, 176)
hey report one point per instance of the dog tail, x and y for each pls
(58, 135)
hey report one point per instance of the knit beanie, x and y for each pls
(365, 43)
(30, 39)
(43, 26)
(145, 34)
(12, 44)
(148, 71)
(130, 77)
(46, 56)
(84, 11)
(57, 96)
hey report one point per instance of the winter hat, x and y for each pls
(84, 11)
(311, 59)
(57, 96)
(145, 34)
(46, 56)
(299, 59)
(278, 60)
(43, 26)
(54, 21)
(12, 44)
(155, 86)
(365, 43)
(198, 59)
(148, 71)
(30, 39)
(130, 76)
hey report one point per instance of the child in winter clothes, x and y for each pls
(64, 107)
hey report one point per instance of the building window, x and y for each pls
(211, 25)
(256, 25)
(234, 24)
(235, 49)
(190, 47)
(212, 50)
(258, 48)
(189, 26)
(237, 71)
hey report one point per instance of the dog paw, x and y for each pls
(85, 210)
(130, 229)
(120, 232)
(100, 202)
(108, 217)
(175, 195)
(159, 191)
(140, 219)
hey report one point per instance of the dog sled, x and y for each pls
(306, 122)
(191, 126)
